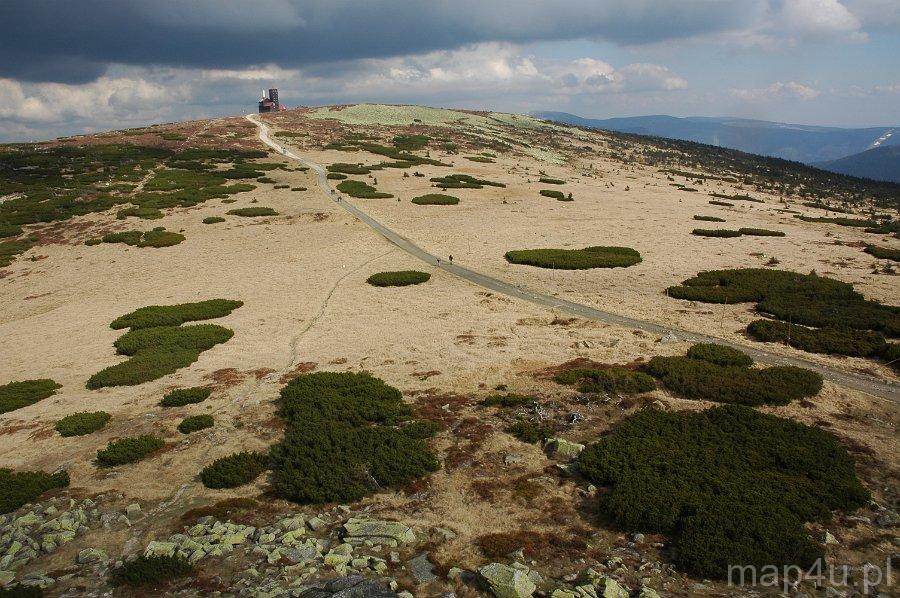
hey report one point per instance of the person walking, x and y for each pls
(451, 259)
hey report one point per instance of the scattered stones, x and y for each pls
(668, 338)
(507, 582)
(353, 586)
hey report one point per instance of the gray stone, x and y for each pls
(316, 524)
(160, 548)
(421, 569)
(668, 338)
(133, 510)
(611, 589)
(353, 586)
(648, 593)
(506, 582)
(512, 459)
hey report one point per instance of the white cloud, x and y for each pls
(260, 73)
(789, 90)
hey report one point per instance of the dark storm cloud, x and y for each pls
(74, 42)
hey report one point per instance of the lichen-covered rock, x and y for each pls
(507, 582)
(360, 531)
(155, 548)
(560, 448)
(353, 586)
(91, 555)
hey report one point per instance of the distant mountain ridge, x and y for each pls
(880, 164)
(801, 143)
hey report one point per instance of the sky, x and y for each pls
(82, 66)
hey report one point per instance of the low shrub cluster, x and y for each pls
(482, 159)
(335, 176)
(252, 212)
(507, 400)
(806, 299)
(128, 450)
(150, 571)
(883, 253)
(234, 470)
(612, 380)
(719, 354)
(421, 429)
(557, 195)
(576, 259)
(157, 344)
(156, 352)
(79, 424)
(361, 190)
(15, 395)
(714, 202)
(22, 487)
(175, 315)
(715, 232)
(435, 199)
(530, 432)
(737, 197)
(9, 230)
(835, 341)
(760, 232)
(709, 218)
(349, 168)
(10, 249)
(195, 423)
(550, 181)
(854, 222)
(400, 278)
(185, 396)
(732, 486)
(158, 237)
(720, 375)
(342, 441)
(463, 181)
(213, 220)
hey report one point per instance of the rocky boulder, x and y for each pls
(507, 582)
(371, 531)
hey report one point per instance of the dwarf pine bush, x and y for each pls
(435, 199)
(22, 487)
(576, 259)
(195, 423)
(79, 424)
(185, 396)
(15, 395)
(128, 450)
(731, 485)
(150, 570)
(400, 278)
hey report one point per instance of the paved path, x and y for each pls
(885, 389)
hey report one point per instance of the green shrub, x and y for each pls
(530, 432)
(15, 395)
(298, 189)
(709, 218)
(349, 168)
(576, 259)
(195, 423)
(702, 380)
(482, 159)
(435, 199)
(128, 450)
(265, 179)
(144, 213)
(175, 315)
(335, 176)
(150, 238)
(156, 352)
(760, 232)
(805, 299)
(422, 429)
(549, 181)
(400, 278)
(150, 570)
(234, 470)
(9, 230)
(558, 195)
(719, 354)
(252, 212)
(507, 400)
(615, 380)
(361, 190)
(883, 253)
(21, 591)
(854, 222)
(213, 220)
(93, 242)
(411, 142)
(79, 424)
(185, 396)
(715, 232)
(463, 181)
(10, 249)
(714, 202)
(737, 197)
(340, 444)
(856, 343)
(732, 485)
(23, 487)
